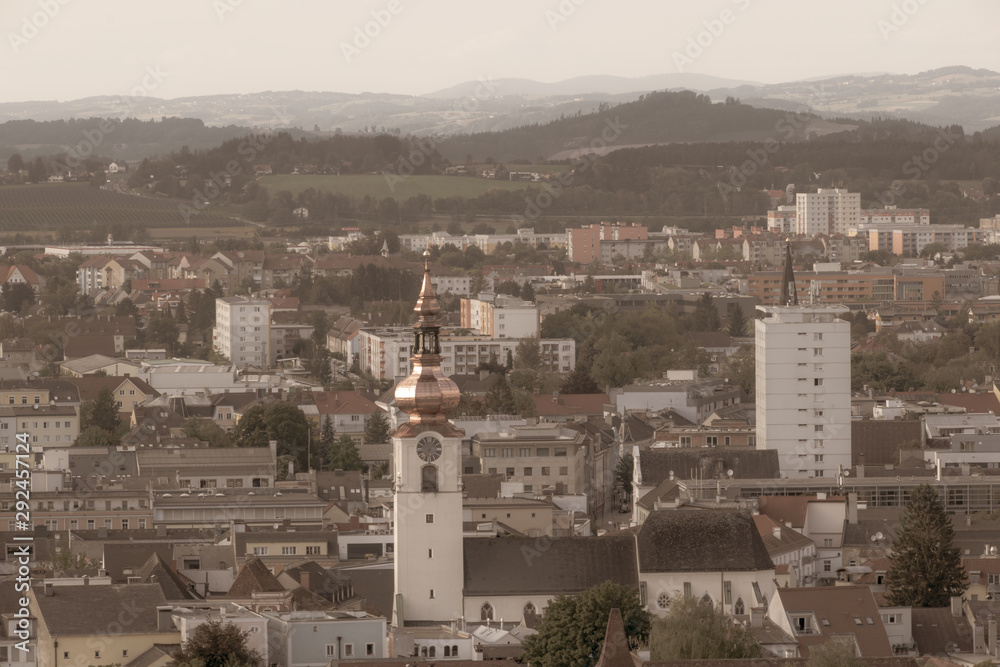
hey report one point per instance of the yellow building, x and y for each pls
(87, 625)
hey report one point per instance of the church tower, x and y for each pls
(427, 507)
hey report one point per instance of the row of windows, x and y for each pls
(74, 524)
(314, 550)
(331, 650)
(508, 452)
(24, 425)
(546, 471)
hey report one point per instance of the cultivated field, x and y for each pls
(358, 186)
(78, 205)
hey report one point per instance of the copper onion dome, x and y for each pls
(427, 395)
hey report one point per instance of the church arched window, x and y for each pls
(432, 652)
(423, 651)
(486, 613)
(740, 608)
(454, 650)
(429, 479)
(447, 651)
(706, 599)
(529, 609)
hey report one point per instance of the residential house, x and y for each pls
(306, 639)
(817, 615)
(348, 411)
(17, 351)
(126, 391)
(209, 469)
(792, 553)
(93, 625)
(20, 274)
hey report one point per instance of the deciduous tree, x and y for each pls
(344, 454)
(695, 630)
(573, 627)
(217, 644)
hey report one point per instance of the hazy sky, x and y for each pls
(204, 47)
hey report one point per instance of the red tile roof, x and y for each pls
(973, 403)
(342, 403)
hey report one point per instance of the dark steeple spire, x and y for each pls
(788, 294)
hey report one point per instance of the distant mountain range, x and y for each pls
(585, 85)
(952, 95)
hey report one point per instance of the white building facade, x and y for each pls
(242, 330)
(827, 211)
(385, 353)
(803, 359)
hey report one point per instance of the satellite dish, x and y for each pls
(874, 539)
(730, 472)
(879, 535)
(847, 473)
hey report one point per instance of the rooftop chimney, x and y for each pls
(163, 621)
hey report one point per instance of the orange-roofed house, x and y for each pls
(817, 615)
(348, 410)
(19, 274)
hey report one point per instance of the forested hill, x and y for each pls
(119, 139)
(656, 118)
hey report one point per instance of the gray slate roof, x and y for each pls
(566, 565)
(89, 610)
(701, 541)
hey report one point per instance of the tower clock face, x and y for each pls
(429, 449)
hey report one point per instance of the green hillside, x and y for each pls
(656, 118)
(378, 187)
(48, 206)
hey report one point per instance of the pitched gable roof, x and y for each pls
(255, 577)
(91, 610)
(342, 403)
(157, 571)
(701, 541)
(846, 610)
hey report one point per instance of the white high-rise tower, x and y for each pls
(827, 211)
(427, 507)
(803, 392)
